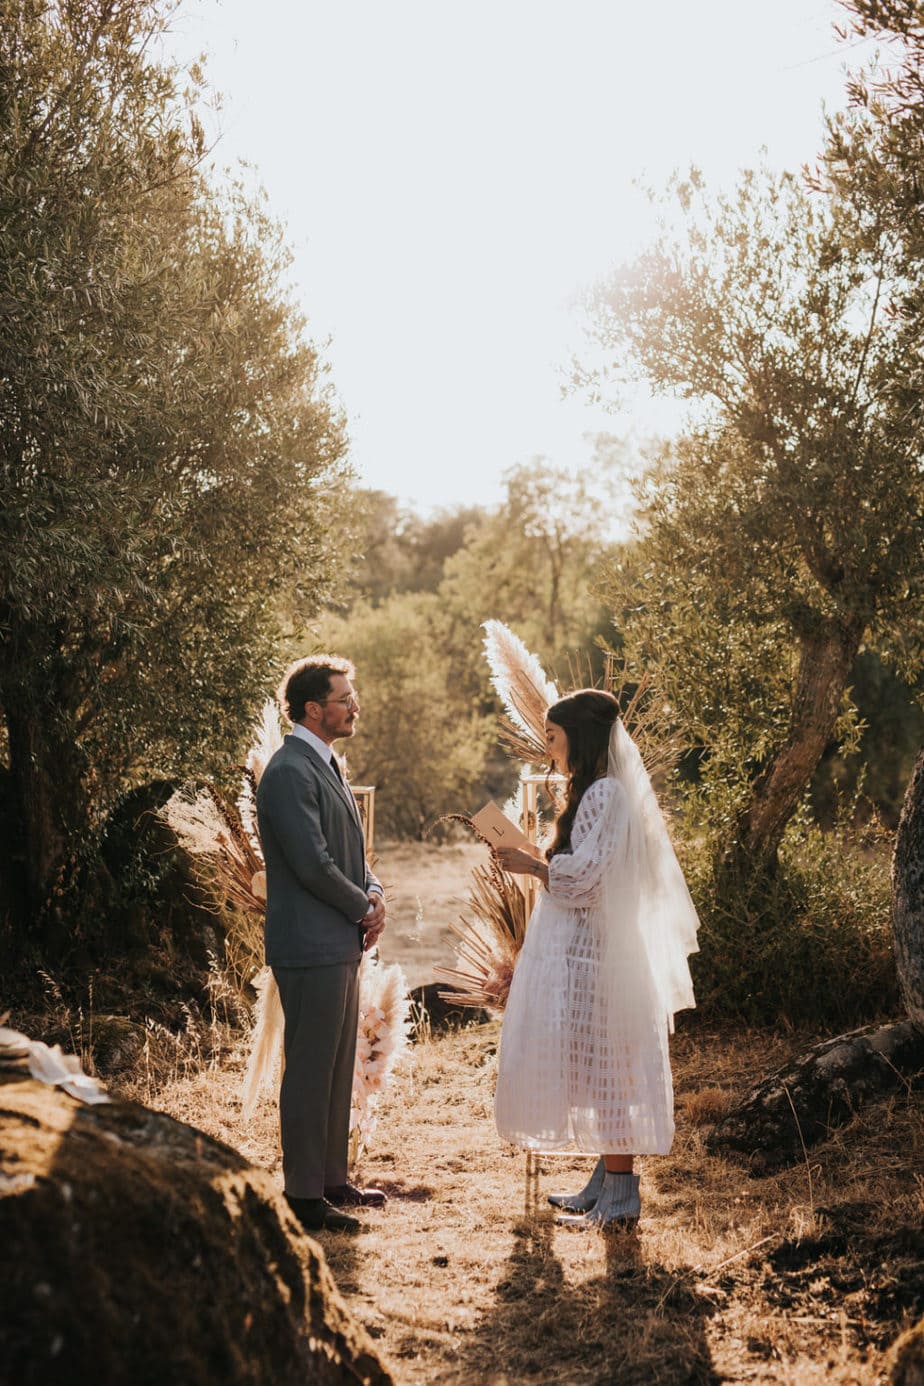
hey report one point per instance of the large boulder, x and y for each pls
(136, 1249)
(906, 1360)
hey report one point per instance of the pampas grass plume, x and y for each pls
(268, 739)
(519, 681)
(197, 821)
(263, 1061)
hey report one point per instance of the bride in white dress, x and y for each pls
(584, 1048)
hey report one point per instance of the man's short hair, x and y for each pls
(308, 681)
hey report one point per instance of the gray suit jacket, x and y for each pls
(317, 877)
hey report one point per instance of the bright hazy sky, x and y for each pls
(452, 175)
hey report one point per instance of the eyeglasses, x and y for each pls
(349, 700)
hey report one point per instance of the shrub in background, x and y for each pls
(809, 945)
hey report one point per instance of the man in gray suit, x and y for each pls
(324, 907)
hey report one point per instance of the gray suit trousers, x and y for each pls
(321, 1009)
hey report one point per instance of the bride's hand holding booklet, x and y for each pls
(513, 850)
(499, 830)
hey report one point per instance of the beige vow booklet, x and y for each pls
(494, 825)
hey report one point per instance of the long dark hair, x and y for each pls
(587, 718)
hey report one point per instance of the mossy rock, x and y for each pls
(439, 1015)
(116, 1042)
(136, 1249)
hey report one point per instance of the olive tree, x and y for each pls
(168, 447)
(787, 528)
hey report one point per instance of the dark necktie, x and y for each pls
(335, 766)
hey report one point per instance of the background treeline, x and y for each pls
(418, 588)
(177, 518)
(411, 617)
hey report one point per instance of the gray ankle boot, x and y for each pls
(582, 1202)
(618, 1204)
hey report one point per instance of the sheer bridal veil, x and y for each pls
(648, 916)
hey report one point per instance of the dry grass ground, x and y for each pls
(803, 1277)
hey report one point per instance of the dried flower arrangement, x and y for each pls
(228, 864)
(382, 1040)
(521, 684)
(491, 937)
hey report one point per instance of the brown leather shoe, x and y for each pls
(349, 1196)
(316, 1214)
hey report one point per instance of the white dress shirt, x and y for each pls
(323, 748)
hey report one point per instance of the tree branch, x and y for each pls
(869, 335)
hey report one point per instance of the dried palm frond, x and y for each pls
(520, 744)
(527, 693)
(522, 686)
(489, 941)
(579, 671)
(227, 863)
(647, 719)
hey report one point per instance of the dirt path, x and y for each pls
(427, 889)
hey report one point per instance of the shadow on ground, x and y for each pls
(636, 1324)
(401, 1192)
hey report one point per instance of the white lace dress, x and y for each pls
(583, 1058)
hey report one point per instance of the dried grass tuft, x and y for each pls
(706, 1106)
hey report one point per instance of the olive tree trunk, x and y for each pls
(49, 800)
(826, 657)
(908, 897)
